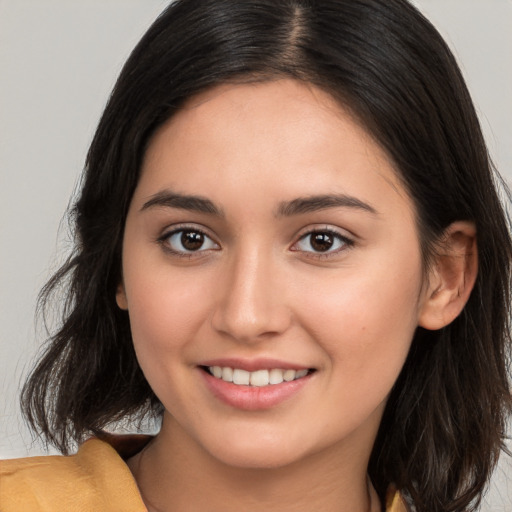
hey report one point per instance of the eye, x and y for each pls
(322, 242)
(187, 241)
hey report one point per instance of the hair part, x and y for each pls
(444, 423)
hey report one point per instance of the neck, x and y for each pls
(174, 473)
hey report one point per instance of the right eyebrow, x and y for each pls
(169, 199)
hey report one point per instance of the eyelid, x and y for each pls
(169, 231)
(347, 239)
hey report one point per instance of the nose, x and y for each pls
(251, 303)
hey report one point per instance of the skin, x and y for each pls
(257, 288)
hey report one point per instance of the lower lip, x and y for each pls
(253, 398)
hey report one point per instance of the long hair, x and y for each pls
(444, 423)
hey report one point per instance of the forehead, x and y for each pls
(283, 132)
(267, 105)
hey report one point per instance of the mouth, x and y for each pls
(258, 378)
(257, 384)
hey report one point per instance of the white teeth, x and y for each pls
(275, 376)
(289, 375)
(227, 374)
(259, 378)
(241, 377)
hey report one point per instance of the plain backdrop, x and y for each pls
(58, 62)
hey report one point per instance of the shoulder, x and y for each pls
(95, 478)
(397, 502)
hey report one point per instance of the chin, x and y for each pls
(256, 458)
(251, 452)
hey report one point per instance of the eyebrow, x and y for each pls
(170, 199)
(322, 202)
(301, 205)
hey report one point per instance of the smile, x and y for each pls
(258, 385)
(258, 378)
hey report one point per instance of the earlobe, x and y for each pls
(452, 277)
(121, 300)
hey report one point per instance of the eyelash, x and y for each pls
(164, 241)
(346, 242)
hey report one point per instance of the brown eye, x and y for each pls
(188, 240)
(322, 241)
(192, 240)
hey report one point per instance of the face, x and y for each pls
(272, 275)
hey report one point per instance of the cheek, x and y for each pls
(166, 312)
(365, 321)
(165, 309)
(366, 336)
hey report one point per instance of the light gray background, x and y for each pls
(58, 62)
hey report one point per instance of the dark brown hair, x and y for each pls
(444, 423)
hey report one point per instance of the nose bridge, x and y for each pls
(251, 302)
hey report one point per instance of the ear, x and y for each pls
(452, 276)
(121, 299)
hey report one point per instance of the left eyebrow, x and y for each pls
(322, 202)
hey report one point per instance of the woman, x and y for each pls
(289, 247)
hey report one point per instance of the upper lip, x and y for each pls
(252, 365)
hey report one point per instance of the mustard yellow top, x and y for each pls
(96, 479)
